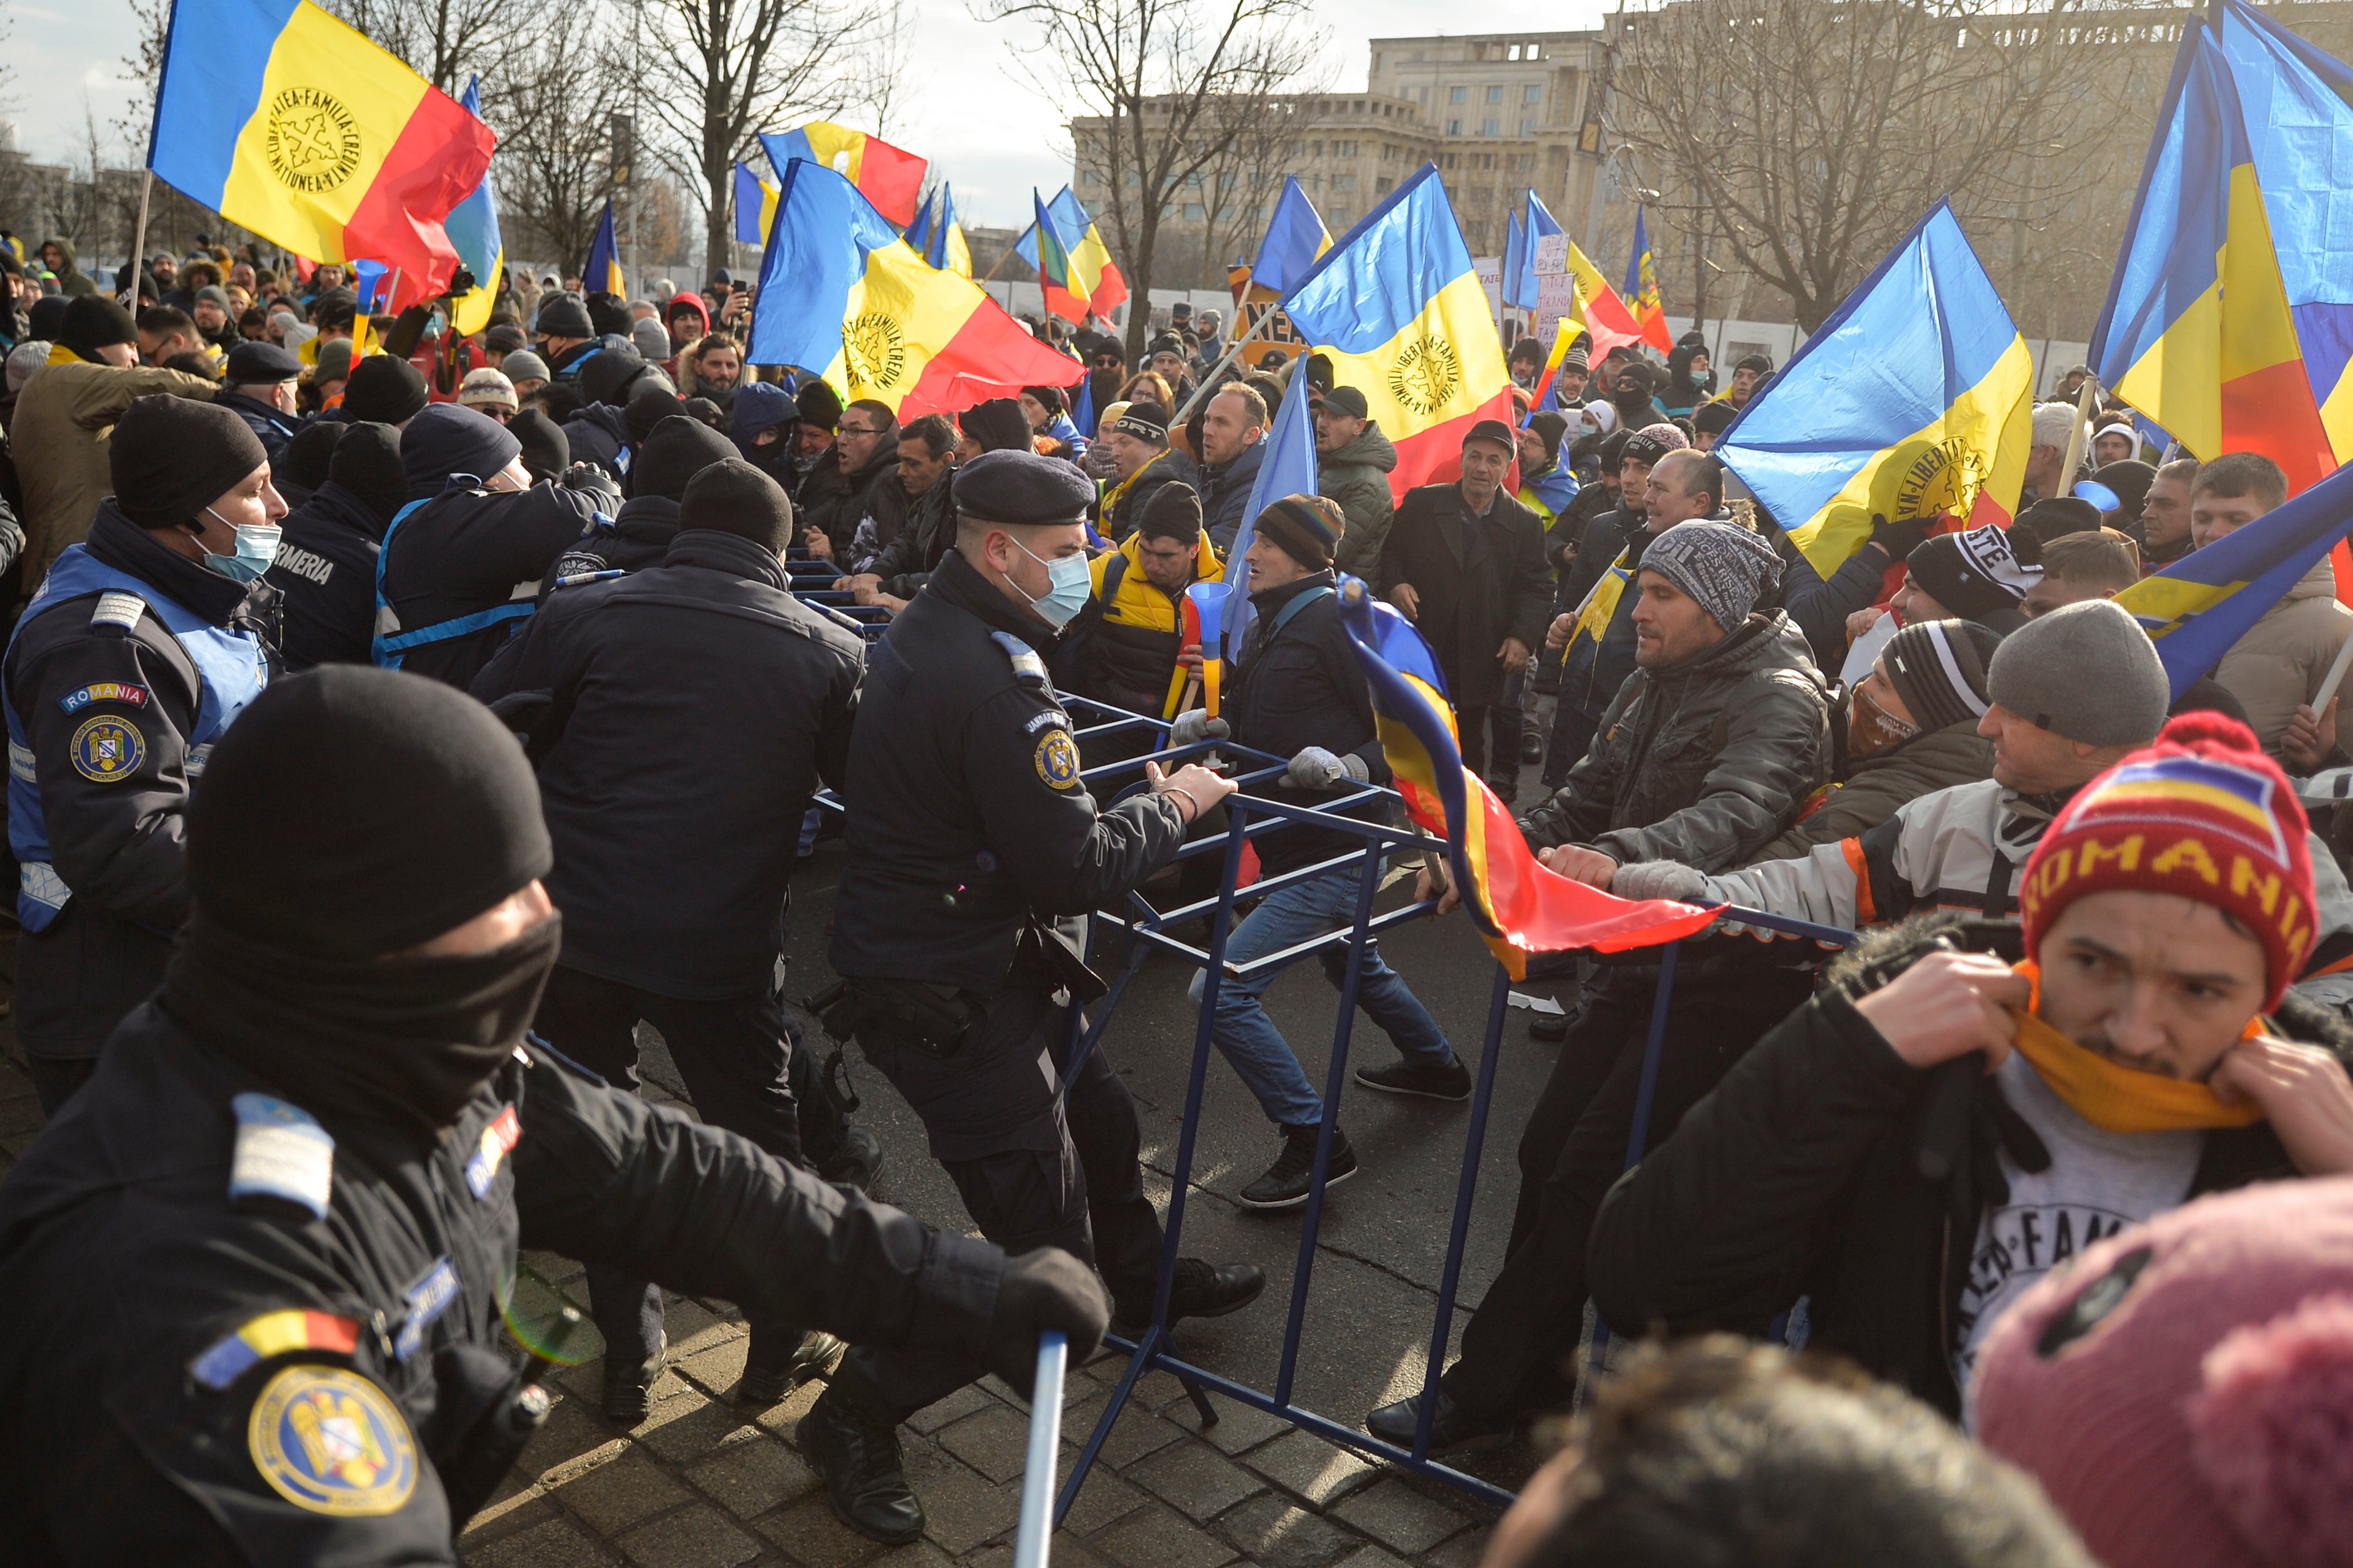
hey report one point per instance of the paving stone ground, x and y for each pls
(704, 1484)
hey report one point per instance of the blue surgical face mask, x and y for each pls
(1070, 581)
(256, 547)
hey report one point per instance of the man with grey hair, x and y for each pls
(2054, 424)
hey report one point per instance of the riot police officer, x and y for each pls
(143, 642)
(251, 1278)
(970, 833)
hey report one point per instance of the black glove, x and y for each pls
(593, 480)
(1048, 1288)
(1899, 538)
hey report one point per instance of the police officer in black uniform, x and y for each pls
(970, 835)
(325, 566)
(143, 642)
(672, 873)
(251, 1279)
(639, 535)
(463, 559)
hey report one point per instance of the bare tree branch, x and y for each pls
(551, 104)
(444, 41)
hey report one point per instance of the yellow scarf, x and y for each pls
(2116, 1097)
(60, 354)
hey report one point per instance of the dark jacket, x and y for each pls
(670, 872)
(1123, 501)
(1224, 492)
(600, 434)
(639, 536)
(123, 1263)
(1302, 686)
(273, 428)
(1820, 608)
(969, 826)
(839, 512)
(1702, 763)
(477, 554)
(1607, 527)
(325, 571)
(1480, 580)
(1357, 477)
(1866, 793)
(915, 532)
(1799, 1176)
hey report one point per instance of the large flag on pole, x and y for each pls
(891, 177)
(1065, 291)
(473, 227)
(287, 123)
(1518, 906)
(1296, 241)
(755, 205)
(1100, 287)
(1606, 316)
(1399, 310)
(603, 273)
(1913, 400)
(946, 249)
(1641, 292)
(842, 294)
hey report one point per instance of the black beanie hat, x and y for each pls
(730, 496)
(2055, 517)
(563, 316)
(1938, 668)
(819, 404)
(1299, 526)
(383, 391)
(48, 314)
(1550, 428)
(367, 463)
(1713, 418)
(998, 424)
(307, 460)
(1172, 512)
(1048, 397)
(436, 817)
(650, 403)
(173, 456)
(546, 449)
(450, 439)
(609, 314)
(93, 321)
(1978, 571)
(606, 375)
(678, 449)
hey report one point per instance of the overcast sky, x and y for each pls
(983, 125)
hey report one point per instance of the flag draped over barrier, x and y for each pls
(1518, 906)
(843, 294)
(891, 177)
(287, 123)
(1916, 398)
(1399, 310)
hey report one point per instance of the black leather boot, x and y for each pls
(856, 1449)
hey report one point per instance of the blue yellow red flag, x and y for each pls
(756, 204)
(1065, 291)
(1287, 470)
(602, 273)
(945, 247)
(1564, 337)
(473, 227)
(287, 123)
(1100, 285)
(1540, 225)
(1641, 292)
(2197, 607)
(1400, 311)
(1518, 906)
(891, 177)
(1607, 317)
(1913, 400)
(1295, 240)
(2199, 333)
(843, 295)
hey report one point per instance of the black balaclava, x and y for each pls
(546, 449)
(367, 463)
(297, 960)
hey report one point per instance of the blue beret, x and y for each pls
(260, 365)
(1017, 487)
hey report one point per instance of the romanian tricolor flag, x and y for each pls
(1296, 241)
(1065, 291)
(1564, 337)
(2195, 609)
(841, 293)
(1541, 224)
(286, 122)
(1606, 316)
(944, 246)
(1642, 289)
(2203, 331)
(473, 227)
(1100, 287)
(1518, 906)
(756, 204)
(1400, 311)
(1913, 400)
(889, 177)
(603, 273)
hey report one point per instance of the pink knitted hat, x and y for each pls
(2184, 1392)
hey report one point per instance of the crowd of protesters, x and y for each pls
(2106, 961)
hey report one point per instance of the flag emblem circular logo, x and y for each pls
(876, 350)
(332, 1442)
(107, 749)
(1426, 374)
(311, 140)
(1938, 477)
(1058, 760)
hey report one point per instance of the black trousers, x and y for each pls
(1490, 744)
(1029, 1176)
(747, 1073)
(1573, 1149)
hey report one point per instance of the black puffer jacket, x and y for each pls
(840, 511)
(916, 532)
(1799, 1176)
(1702, 763)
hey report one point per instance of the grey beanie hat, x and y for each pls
(1726, 568)
(2086, 672)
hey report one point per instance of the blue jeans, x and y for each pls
(1248, 1037)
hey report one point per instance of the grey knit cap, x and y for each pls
(2086, 672)
(1938, 668)
(1723, 567)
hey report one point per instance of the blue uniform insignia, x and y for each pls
(281, 1152)
(427, 1299)
(329, 1441)
(1027, 666)
(1039, 721)
(1058, 760)
(107, 750)
(116, 608)
(498, 1139)
(104, 691)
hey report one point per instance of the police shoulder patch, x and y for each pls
(108, 749)
(329, 1441)
(1027, 668)
(122, 691)
(1058, 760)
(117, 609)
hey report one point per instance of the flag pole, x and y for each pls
(147, 185)
(2083, 401)
(1218, 369)
(139, 241)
